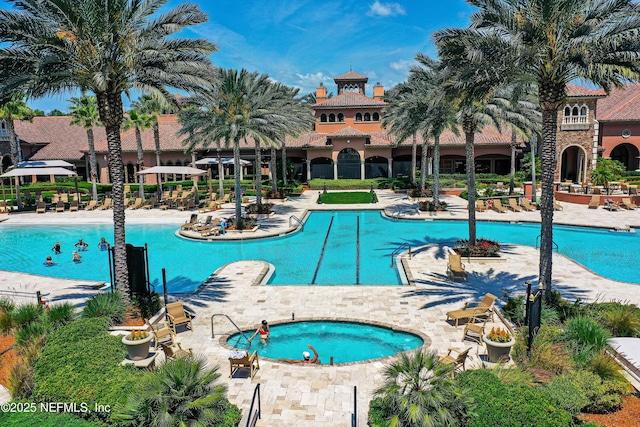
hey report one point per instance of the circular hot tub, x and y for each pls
(345, 341)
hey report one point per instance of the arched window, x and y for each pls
(323, 118)
(332, 118)
(367, 117)
(575, 114)
(376, 117)
(358, 117)
(567, 111)
(340, 117)
(583, 111)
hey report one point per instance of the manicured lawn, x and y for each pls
(347, 197)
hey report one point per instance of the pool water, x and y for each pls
(335, 248)
(344, 341)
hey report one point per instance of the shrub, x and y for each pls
(108, 304)
(32, 331)
(61, 314)
(148, 305)
(622, 320)
(482, 247)
(377, 413)
(585, 391)
(605, 367)
(254, 208)
(514, 308)
(585, 334)
(430, 206)
(42, 419)
(547, 353)
(26, 314)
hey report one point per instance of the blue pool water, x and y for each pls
(344, 341)
(298, 257)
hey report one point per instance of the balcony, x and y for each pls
(575, 123)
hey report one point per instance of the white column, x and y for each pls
(390, 167)
(308, 169)
(362, 174)
(241, 172)
(335, 169)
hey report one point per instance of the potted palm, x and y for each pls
(499, 342)
(137, 343)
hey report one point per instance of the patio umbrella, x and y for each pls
(178, 170)
(47, 171)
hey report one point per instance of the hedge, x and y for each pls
(43, 419)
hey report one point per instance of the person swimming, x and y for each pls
(56, 248)
(306, 357)
(49, 262)
(76, 257)
(263, 330)
(81, 245)
(103, 245)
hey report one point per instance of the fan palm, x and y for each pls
(551, 43)
(418, 390)
(244, 105)
(14, 108)
(84, 112)
(107, 47)
(139, 121)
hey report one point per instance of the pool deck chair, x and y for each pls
(458, 361)
(246, 361)
(513, 205)
(60, 206)
(594, 202)
(497, 206)
(455, 267)
(484, 309)
(178, 315)
(628, 204)
(137, 204)
(191, 224)
(480, 207)
(92, 205)
(175, 351)
(526, 205)
(106, 205)
(163, 334)
(474, 331)
(557, 206)
(41, 207)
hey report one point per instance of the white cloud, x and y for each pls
(309, 78)
(400, 65)
(385, 9)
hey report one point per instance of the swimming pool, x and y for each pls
(344, 341)
(358, 249)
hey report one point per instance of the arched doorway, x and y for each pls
(322, 168)
(376, 167)
(627, 154)
(299, 168)
(348, 164)
(574, 164)
(6, 162)
(402, 165)
(130, 176)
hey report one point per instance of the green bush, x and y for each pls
(32, 331)
(377, 411)
(584, 335)
(26, 314)
(108, 304)
(622, 320)
(80, 363)
(585, 391)
(548, 353)
(500, 405)
(43, 419)
(61, 314)
(148, 305)
(514, 308)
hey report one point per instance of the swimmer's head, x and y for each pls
(306, 355)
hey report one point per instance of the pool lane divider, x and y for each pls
(324, 246)
(357, 250)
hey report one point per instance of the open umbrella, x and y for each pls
(178, 170)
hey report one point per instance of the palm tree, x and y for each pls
(139, 121)
(14, 108)
(84, 112)
(244, 105)
(418, 390)
(551, 43)
(107, 47)
(181, 392)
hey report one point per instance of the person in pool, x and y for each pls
(103, 245)
(49, 262)
(263, 330)
(76, 257)
(306, 357)
(56, 248)
(82, 245)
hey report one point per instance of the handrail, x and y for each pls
(298, 220)
(398, 250)
(354, 415)
(234, 324)
(555, 245)
(252, 419)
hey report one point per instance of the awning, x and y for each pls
(45, 164)
(225, 161)
(178, 170)
(38, 171)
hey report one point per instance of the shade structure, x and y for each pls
(225, 161)
(178, 170)
(38, 171)
(45, 164)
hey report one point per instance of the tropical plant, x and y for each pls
(607, 170)
(84, 112)
(418, 390)
(108, 48)
(244, 105)
(552, 43)
(181, 392)
(61, 314)
(13, 107)
(137, 334)
(139, 121)
(622, 320)
(111, 305)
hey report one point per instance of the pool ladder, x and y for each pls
(234, 324)
(553, 244)
(398, 250)
(298, 220)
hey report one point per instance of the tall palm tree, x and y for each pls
(551, 43)
(107, 47)
(14, 108)
(419, 391)
(244, 105)
(84, 112)
(181, 392)
(139, 121)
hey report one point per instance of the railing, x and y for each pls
(22, 297)
(254, 414)
(298, 220)
(234, 324)
(554, 244)
(572, 120)
(354, 415)
(398, 250)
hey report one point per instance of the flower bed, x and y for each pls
(429, 206)
(482, 248)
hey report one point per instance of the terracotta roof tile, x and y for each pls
(621, 104)
(350, 76)
(575, 91)
(349, 100)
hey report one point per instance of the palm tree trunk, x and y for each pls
(469, 134)
(547, 156)
(414, 155)
(15, 149)
(93, 164)
(284, 163)
(436, 169)
(220, 173)
(258, 173)
(423, 165)
(512, 172)
(236, 173)
(274, 172)
(110, 108)
(156, 140)
(140, 162)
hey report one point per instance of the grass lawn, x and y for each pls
(347, 197)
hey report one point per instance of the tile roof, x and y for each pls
(349, 100)
(350, 76)
(621, 104)
(575, 91)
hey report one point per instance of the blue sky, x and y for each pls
(304, 42)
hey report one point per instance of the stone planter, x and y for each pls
(261, 216)
(137, 349)
(484, 259)
(498, 352)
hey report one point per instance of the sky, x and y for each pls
(304, 42)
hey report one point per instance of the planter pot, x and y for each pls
(498, 352)
(137, 349)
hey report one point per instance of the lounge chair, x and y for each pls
(163, 333)
(484, 309)
(458, 361)
(151, 203)
(178, 315)
(206, 225)
(74, 206)
(526, 205)
(213, 230)
(175, 351)
(594, 202)
(500, 187)
(245, 361)
(41, 207)
(60, 206)
(191, 223)
(610, 205)
(137, 204)
(557, 206)
(225, 199)
(92, 205)
(628, 204)
(455, 267)
(212, 206)
(474, 331)
(513, 205)
(3, 206)
(480, 207)
(497, 206)
(106, 205)
(187, 204)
